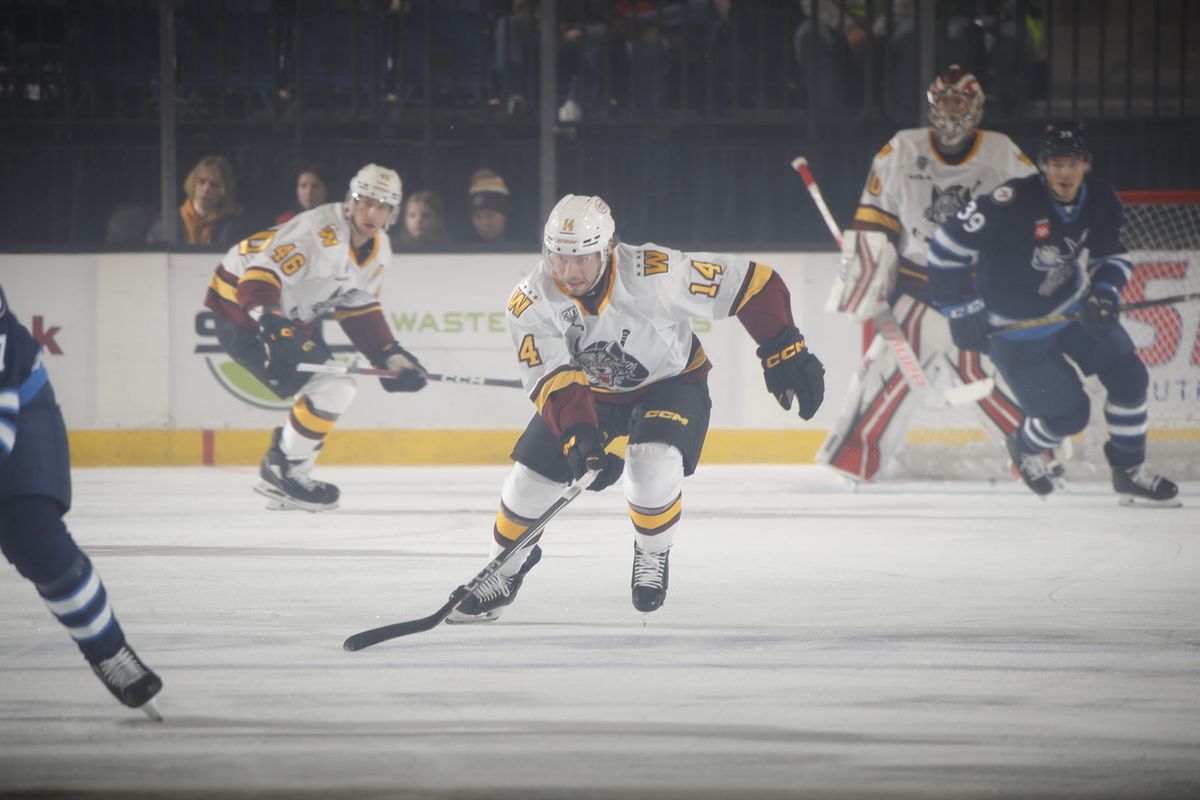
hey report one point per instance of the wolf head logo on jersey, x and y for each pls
(1058, 266)
(946, 203)
(608, 365)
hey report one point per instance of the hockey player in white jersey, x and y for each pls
(268, 296)
(921, 177)
(602, 333)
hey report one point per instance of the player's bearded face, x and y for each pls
(1064, 175)
(577, 273)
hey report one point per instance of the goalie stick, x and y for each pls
(885, 320)
(1055, 319)
(374, 636)
(345, 369)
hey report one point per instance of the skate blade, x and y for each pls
(151, 710)
(1129, 501)
(280, 501)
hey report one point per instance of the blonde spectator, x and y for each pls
(424, 221)
(209, 214)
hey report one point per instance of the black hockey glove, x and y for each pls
(288, 345)
(969, 326)
(791, 371)
(397, 359)
(1099, 313)
(584, 450)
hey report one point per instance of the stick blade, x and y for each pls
(971, 392)
(365, 639)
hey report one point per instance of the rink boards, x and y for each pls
(132, 354)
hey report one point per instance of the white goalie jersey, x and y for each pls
(912, 188)
(638, 329)
(310, 261)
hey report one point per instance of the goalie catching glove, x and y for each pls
(584, 450)
(866, 275)
(288, 345)
(395, 358)
(791, 371)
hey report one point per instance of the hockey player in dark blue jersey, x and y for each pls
(1051, 244)
(35, 492)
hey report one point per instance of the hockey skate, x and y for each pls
(488, 600)
(1033, 468)
(1138, 486)
(649, 582)
(287, 485)
(129, 680)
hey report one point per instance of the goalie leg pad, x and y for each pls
(874, 418)
(654, 490)
(866, 275)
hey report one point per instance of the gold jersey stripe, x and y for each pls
(875, 216)
(758, 280)
(223, 289)
(557, 382)
(310, 419)
(263, 275)
(653, 522)
(347, 313)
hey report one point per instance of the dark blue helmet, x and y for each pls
(1064, 140)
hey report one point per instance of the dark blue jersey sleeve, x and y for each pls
(953, 255)
(22, 375)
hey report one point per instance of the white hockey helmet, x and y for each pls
(955, 105)
(378, 183)
(579, 225)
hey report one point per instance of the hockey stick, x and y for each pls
(376, 635)
(1055, 319)
(344, 369)
(885, 320)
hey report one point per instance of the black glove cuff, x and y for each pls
(788, 335)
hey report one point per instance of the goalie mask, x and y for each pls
(955, 106)
(378, 183)
(577, 241)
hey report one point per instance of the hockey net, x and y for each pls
(1162, 232)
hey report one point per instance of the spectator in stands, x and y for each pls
(838, 50)
(209, 214)
(424, 221)
(311, 188)
(487, 199)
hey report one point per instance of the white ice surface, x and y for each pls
(953, 640)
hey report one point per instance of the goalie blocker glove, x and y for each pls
(584, 450)
(395, 358)
(791, 371)
(288, 345)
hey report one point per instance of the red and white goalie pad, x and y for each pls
(866, 276)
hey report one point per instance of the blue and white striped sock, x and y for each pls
(80, 603)
(1035, 436)
(1127, 427)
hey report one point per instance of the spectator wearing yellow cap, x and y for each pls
(487, 199)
